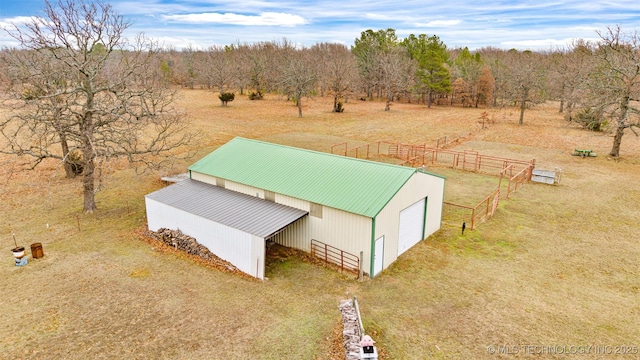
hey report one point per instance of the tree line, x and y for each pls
(80, 92)
(596, 84)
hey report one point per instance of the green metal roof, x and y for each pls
(354, 185)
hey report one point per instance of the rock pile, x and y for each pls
(351, 330)
(186, 243)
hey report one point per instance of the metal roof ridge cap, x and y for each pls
(302, 149)
(313, 151)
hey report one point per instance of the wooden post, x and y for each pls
(473, 218)
(486, 211)
(360, 326)
(360, 266)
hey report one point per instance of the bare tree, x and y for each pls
(526, 77)
(396, 72)
(297, 74)
(246, 61)
(496, 60)
(215, 68)
(108, 99)
(615, 82)
(36, 81)
(367, 49)
(570, 71)
(337, 71)
(258, 66)
(186, 67)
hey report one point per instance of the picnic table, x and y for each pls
(583, 153)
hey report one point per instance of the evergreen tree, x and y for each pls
(432, 59)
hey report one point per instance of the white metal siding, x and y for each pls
(295, 236)
(435, 199)
(410, 226)
(230, 185)
(293, 202)
(346, 231)
(387, 222)
(257, 256)
(351, 232)
(245, 189)
(241, 249)
(343, 230)
(204, 178)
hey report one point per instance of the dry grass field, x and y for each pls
(556, 269)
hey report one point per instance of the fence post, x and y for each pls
(473, 218)
(360, 326)
(531, 167)
(360, 266)
(486, 212)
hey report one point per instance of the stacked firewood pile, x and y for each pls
(351, 329)
(189, 245)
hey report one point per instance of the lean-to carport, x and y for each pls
(232, 225)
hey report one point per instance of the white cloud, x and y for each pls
(520, 24)
(439, 23)
(373, 16)
(536, 43)
(17, 20)
(264, 19)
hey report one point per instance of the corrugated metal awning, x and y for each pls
(239, 211)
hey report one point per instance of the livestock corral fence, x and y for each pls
(472, 215)
(333, 255)
(382, 148)
(516, 172)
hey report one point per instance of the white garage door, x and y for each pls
(411, 226)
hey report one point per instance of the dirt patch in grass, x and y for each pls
(556, 266)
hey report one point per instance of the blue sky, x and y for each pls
(530, 24)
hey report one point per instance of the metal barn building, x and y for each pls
(248, 191)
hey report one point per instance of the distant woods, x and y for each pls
(420, 69)
(81, 93)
